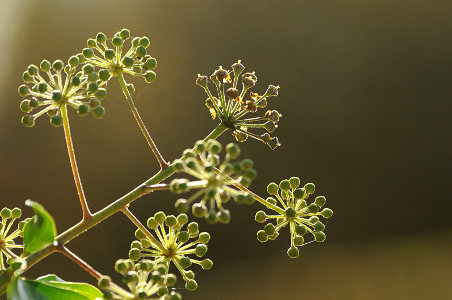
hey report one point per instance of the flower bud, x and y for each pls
(293, 252)
(45, 65)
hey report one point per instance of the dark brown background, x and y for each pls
(366, 98)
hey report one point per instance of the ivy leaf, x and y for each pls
(51, 287)
(39, 231)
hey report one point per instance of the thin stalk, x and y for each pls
(158, 156)
(70, 150)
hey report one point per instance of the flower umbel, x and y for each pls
(114, 58)
(231, 105)
(215, 180)
(301, 217)
(81, 89)
(7, 243)
(144, 280)
(175, 246)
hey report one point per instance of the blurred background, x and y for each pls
(366, 102)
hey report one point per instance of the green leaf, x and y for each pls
(39, 231)
(51, 287)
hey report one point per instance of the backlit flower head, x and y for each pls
(144, 279)
(295, 213)
(231, 105)
(50, 86)
(7, 238)
(216, 177)
(175, 245)
(113, 56)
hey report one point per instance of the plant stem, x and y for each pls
(89, 269)
(122, 82)
(86, 224)
(143, 228)
(70, 150)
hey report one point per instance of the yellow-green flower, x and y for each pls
(7, 238)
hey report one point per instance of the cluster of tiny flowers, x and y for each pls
(7, 243)
(215, 180)
(115, 58)
(231, 107)
(144, 279)
(295, 212)
(48, 88)
(174, 245)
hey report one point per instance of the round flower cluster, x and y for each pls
(7, 243)
(174, 246)
(231, 105)
(113, 56)
(56, 86)
(216, 179)
(295, 212)
(144, 280)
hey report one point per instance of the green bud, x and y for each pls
(326, 213)
(98, 112)
(94, 102)
(170, 221)
(313, 220)
(57, 96)
(101, 38)
(45, 65)
(117, 41)
(224, 216)
(5, 213)
(272, 188)
(73, 61)
(214, 147)
(320, 201)
(150, 64)
(25, 106)
(93, 87)
(299, 193)
(88, 52)
(56, 120)
(319, 226)
(27, 77)
(134, 254)
(272, 200)
(139, 234)
(300, 230)
(251, 174)
(269, 229)
(319, 236)
(28, 121)
(136, 244)
(247, 164)
(211, 217)
(313, 208)
(293, 252)
(124, 34)
(290, 212)
(207, 264)
(141, 51)
(171, 279)
(149, 76)
(183, 236)
(34, 102)
(23, 90)
(103, 282)
(204, 237)
(75, 81)
(260, 217)
(270, 126)
(16, 213)
(109, 54)
(193, 228)
(58, 65)
(135, 42)
(131, 88)
(101, 93)
(42, 87)
(298, 241)
(160, 217)
(200, 250)
(83, 109)
(191, 285)
(294, 182)
(145, 243)
(309, 188)
(284, 185)
(88, 69)
(33, 70)
(181, 205)
(185, 262)
(262, 236)
(128, 61)
(199, 210)
(144, 41)
(182, 219)
(233, 150)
